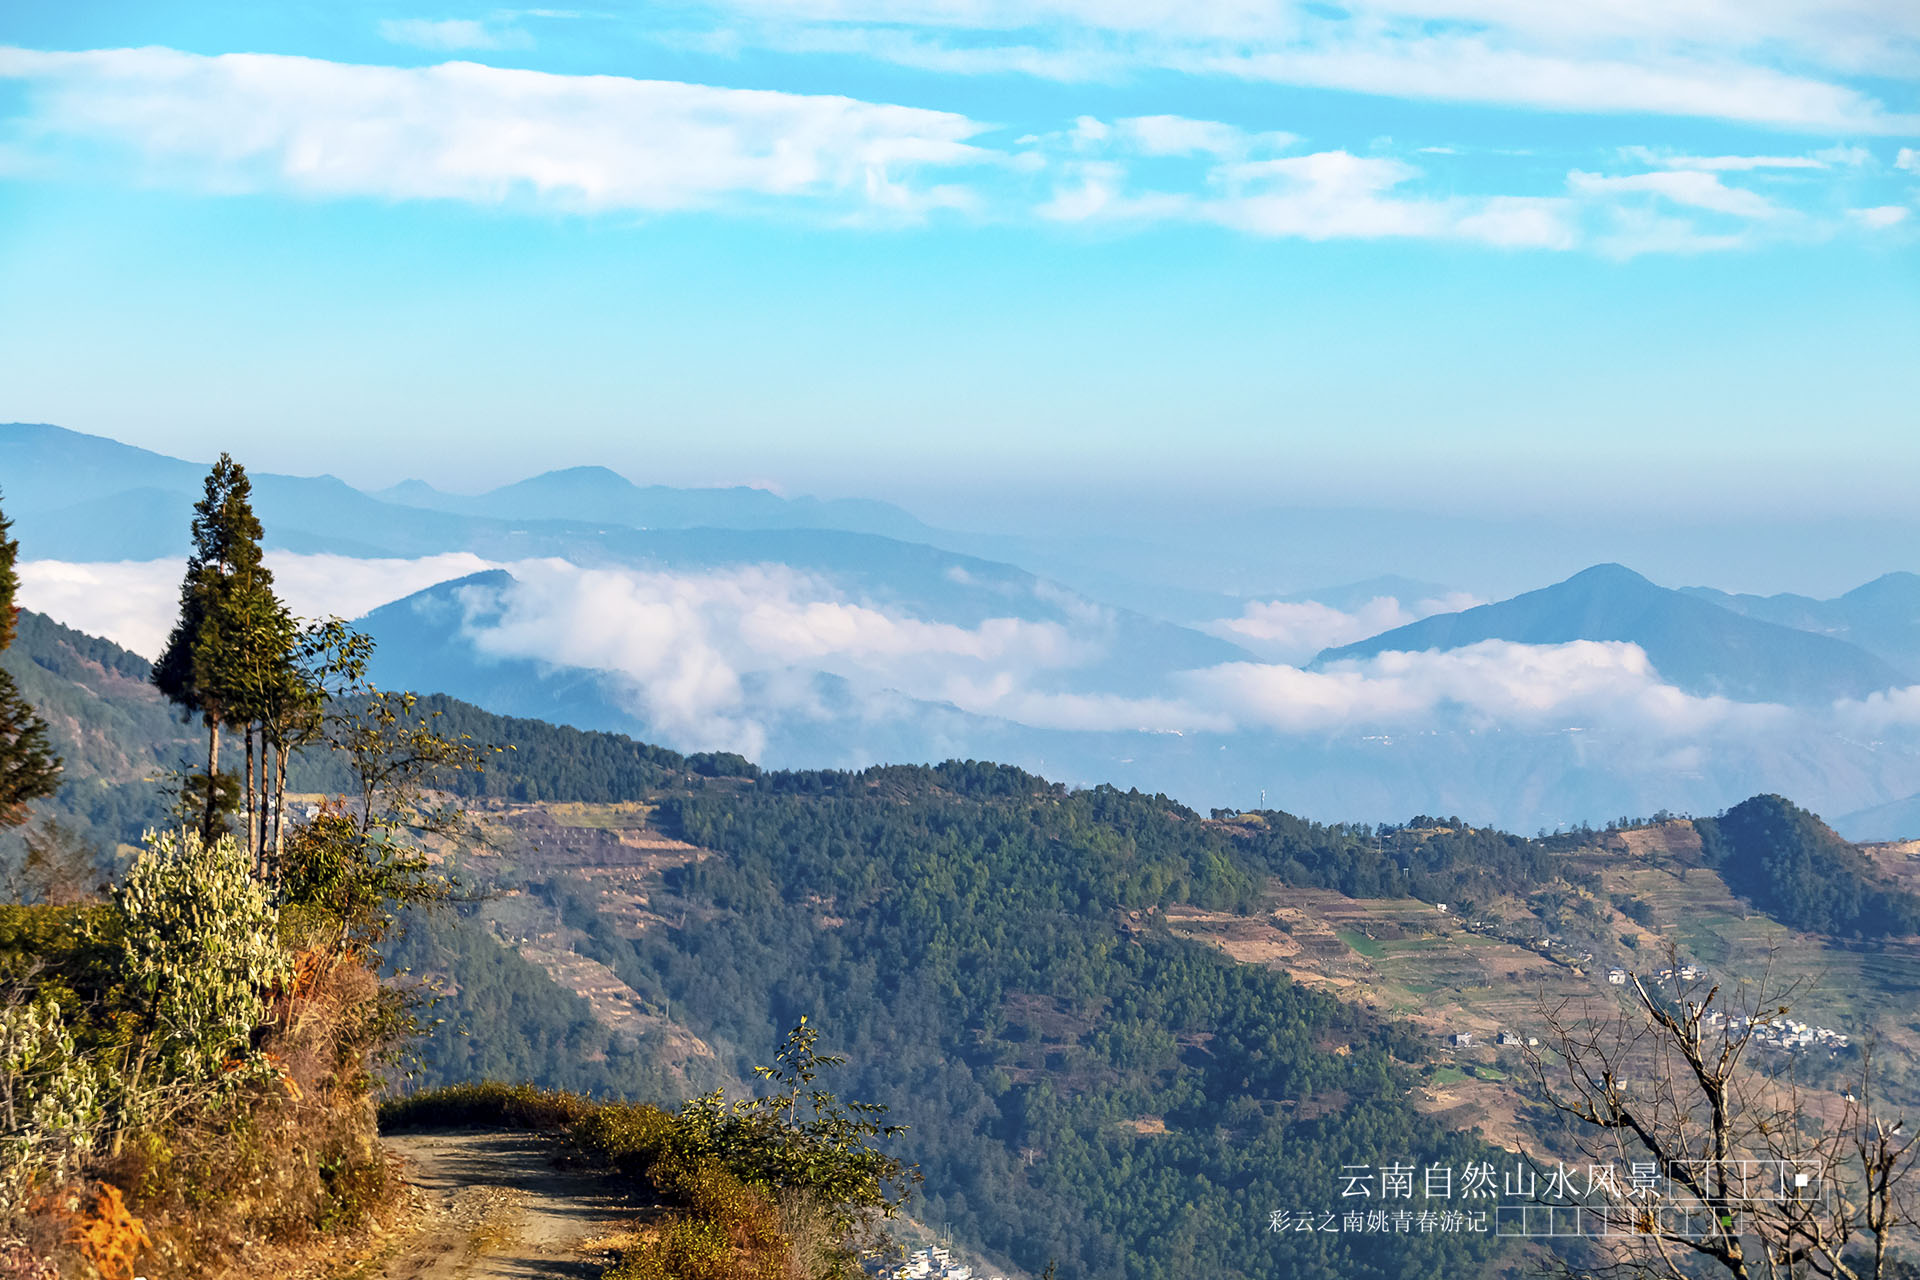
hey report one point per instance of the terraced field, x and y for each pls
(1869, 991)
(1408, 960)
(611, 850)
(1399, 956)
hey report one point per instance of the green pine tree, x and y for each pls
(232, 634)
(29, 770)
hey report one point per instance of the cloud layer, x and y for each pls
(601, 144)
(134, 602)
(689, 644)
(1785, 63)
(1294, 631)
(746, 656)
(710, 656)
(464, 131)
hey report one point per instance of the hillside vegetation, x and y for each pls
(1006, 963)
(1794, 867)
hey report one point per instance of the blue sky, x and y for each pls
(1441, 252)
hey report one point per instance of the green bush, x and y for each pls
(682, 1249)
(485, 1105)
(199, 947)
(631, 1138)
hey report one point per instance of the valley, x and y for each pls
(1615, 900)
(1120, 1034)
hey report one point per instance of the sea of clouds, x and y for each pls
(724, 658)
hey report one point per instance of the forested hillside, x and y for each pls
(1438, 860)
(113, 731)
(501, 1018)
(1082, 1087)
(1794, 867)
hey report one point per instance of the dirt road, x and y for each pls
(499, 1206)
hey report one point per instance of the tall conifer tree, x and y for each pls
(213, 659)
(29, 769)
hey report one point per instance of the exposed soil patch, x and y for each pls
(503, 1206)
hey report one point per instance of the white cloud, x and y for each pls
(1327, 195)
(730, 658)
(1736, 164)
(1693, 188)
(1180, 136)
(1472, 69)
(1907, 159)
(691, 645)
(1294, 631)
(1007, 698)
(687, 644)
(1712, 58)
(1879, 217)
(1845, 156)
(1322, 196)
(134, 602)
(451, 34)
(1880, 712)
(461, 131)
(318, 586)
(1494, 683)
(1633, 232)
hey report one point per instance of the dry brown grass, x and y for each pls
(288, 1163)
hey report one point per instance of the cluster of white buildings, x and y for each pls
(934, 1263)
(1789, 1033)
(1685, 973)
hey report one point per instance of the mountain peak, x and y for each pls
(1695, 644)
(1609, 573)
(595, 479)
(412, 492)
(1899, 586)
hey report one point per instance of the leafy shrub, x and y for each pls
(682, 1249)
(52, 1103)
(355, 877)
(485, 1105)
(628, 1137)
(199, 948)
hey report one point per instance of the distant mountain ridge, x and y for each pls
(82, 497)
(1881, 616)
(600, 494)
(1122, 696)
(1694, 643)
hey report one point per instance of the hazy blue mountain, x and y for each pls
(1895, 820)
(80, 512)
(45, 465)
(1694, 643)
(1882, 617)
(80, 497)
(1134, 653)
(83, 497)
(96, 696)
(599, 494)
